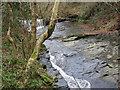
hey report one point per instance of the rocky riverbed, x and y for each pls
(94, 59)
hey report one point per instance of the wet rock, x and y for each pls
(47, 51)
(97, 71)
(53, 73)
(61, 28)
(69, 54)
(110, 78)
(87, 72)
(44, 61)
(47, 56)
(49, 65)
(115, 61)
(94, 75)
(115, 50)
(87, 48)
(49, 69)
(104, 65)
(103, 62)
(116, 76)
(107, 70)
(61, 83)
(69, 39)
(103, 46)
(109, 56)
(110, 65)
(105, 75)
(56, 37)
(60, 77)
(63, 88)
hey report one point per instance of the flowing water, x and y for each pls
(93, 59)
(88, 61)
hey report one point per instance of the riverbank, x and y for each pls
(13, 68)
(89, 30)
(94, 19)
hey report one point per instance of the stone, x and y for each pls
(69, 39)
(115, 61)
(109, 56)
(53, 73)
(47, 56)
(61, 82)
(60, 77)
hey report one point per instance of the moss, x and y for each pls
(46, 78)
(34, 55)
(6, 44)
(34, 83)
(43, 47)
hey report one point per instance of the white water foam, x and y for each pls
(27, 24)
(71, 81)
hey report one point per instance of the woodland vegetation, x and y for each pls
(20, 48)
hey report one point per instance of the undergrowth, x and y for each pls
(13, 67)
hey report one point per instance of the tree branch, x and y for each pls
(43, 37)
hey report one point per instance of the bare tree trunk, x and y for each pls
(33, 27)
(23, 49)
(9, 28)
(11, 39)
(43, 37)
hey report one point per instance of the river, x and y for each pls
(94, 59)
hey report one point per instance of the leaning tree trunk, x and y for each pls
(33, 27)
(42, 38)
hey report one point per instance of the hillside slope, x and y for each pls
(94, 17)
